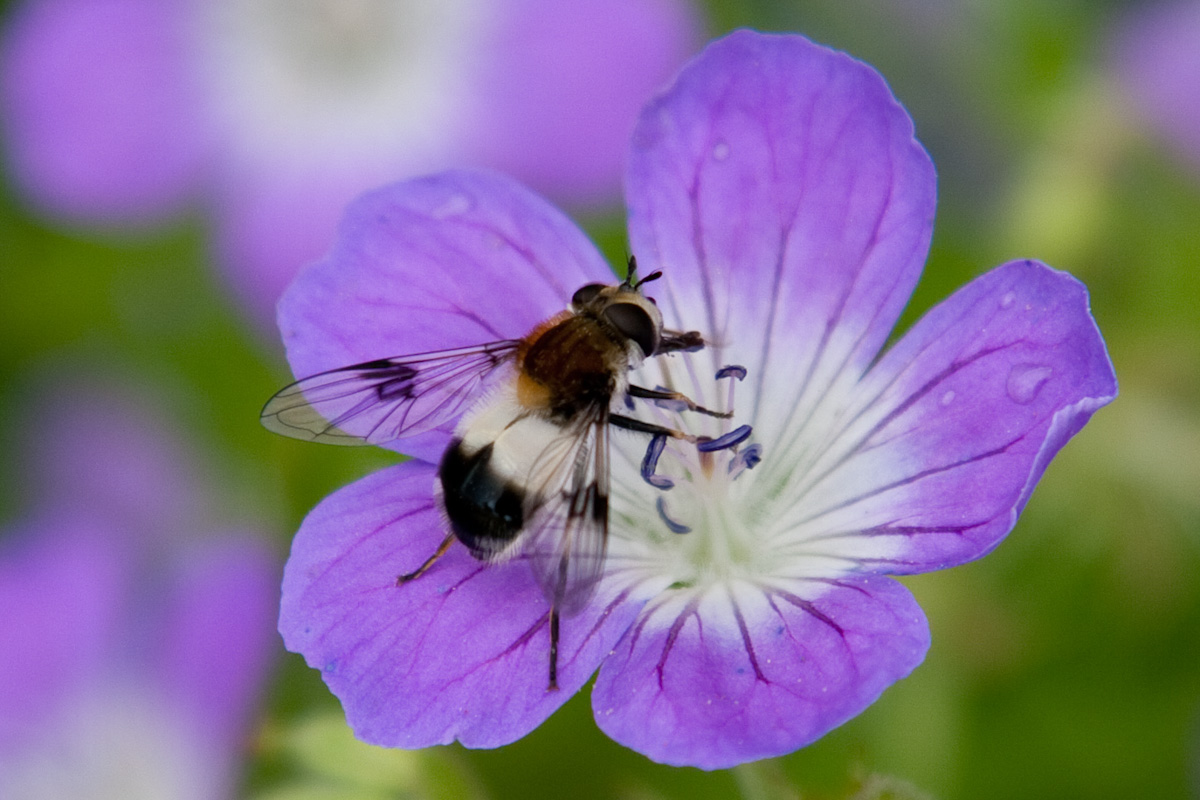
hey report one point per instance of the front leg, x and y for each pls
(675, 397)
(679, 342)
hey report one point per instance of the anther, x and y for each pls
(732, 371)
(726, 441)
(650, 464)
(675, 527)
(747, 458)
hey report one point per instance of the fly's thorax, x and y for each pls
(572, 366)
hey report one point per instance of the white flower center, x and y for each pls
(297, 80)
(722, 519)
(700, 525)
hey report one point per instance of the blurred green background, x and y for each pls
(1065, 664)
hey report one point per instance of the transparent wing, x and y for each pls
(568, 534)
(378, 401)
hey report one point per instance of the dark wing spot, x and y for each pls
(392, 381)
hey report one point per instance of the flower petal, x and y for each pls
(944, 440)
(98, 110)
(451, 260)
(779, 187)
(266, 234)
(218, 635)
(735, 676)
(62, 586)
(460, 653)
(1158, 62)
(573, 76)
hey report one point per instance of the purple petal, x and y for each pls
(272, 222)
(62, 590)
(451, 260)
(150, 473)
(778, 186)
(947, 436)
(220, 635)
(1158, 61)
(264, 236)
(98, 108)
(563, 85)
(733, 677)
(460, 653)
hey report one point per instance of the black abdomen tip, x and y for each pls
(486, 512)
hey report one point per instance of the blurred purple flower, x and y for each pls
(275, 113)
(1158, 62)
(779, 187)
(133, 641)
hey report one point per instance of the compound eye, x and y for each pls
(586, 294)
(634, 323)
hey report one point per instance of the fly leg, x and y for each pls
(668, 396)
(419, 571)
(553, 685)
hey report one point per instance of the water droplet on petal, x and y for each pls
(720, 151)
(947, 398)
(453, 206)
(1008, 299)
(1026, 380)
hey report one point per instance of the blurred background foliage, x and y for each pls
(1066, 664)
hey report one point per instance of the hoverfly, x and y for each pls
(527, 469)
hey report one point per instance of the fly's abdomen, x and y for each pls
(486, 510)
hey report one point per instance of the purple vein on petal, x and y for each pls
(524, 638)
(337, 560)
(857, 448)
(747, 643)
(834, 433)
(517, 644)
(910, 479)
(603, 616)
(929, 386)
(697, 228)
(841, 584)
(902, 530)
(809, 608)
(833, 321)
(431, 624)
(549, 276)
(673, 634)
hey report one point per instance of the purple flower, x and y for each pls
(778, 186)
(1158, 63)
(274, 114)
(132, 645)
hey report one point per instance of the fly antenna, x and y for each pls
(631, 279)
(653, 276)
(630, 272)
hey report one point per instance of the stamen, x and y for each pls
(745, 459)
(675, 527)
(732, 371)
(726, 441)
(650, 464)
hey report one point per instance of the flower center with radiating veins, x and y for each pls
(686, 510)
